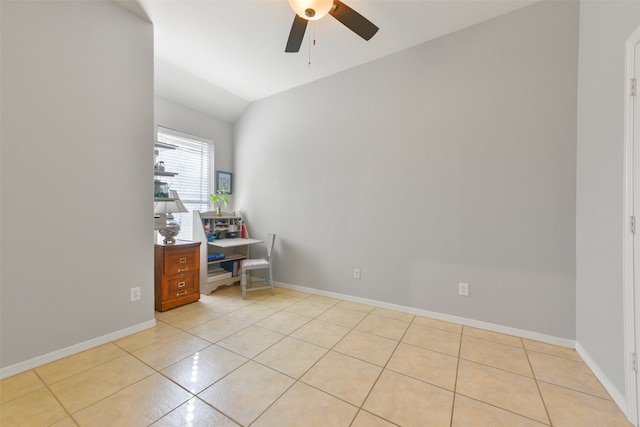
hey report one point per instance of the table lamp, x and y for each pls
(169, 229)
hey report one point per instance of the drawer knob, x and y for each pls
(183, 269)
(182, 293)
(182, 284)
(183, 260)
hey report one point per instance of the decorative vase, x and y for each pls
(218, 211)
(169, 232)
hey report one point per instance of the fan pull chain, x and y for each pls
(309, 64)
(313, 29)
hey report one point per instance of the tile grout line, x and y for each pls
(500, 369)
(298, 380)
(72, 415)
(586, 393)
(506, 371)
(156, 371)
(64, 408)
(197, 395)
(455, 383)
(382, 370)
(533, 372)
(295, 380)
(159, 372)
(329, 349)
(252, 359)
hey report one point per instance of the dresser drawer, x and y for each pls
(178, 285)
(181, 260)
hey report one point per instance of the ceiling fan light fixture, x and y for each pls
(311, 9)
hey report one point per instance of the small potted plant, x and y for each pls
(220, 196)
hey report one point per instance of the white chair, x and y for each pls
(258, 264)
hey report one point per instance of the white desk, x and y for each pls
(233, 250)
(234, 243)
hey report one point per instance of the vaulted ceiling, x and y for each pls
(217, 56)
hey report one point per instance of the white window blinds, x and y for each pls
(193, 161)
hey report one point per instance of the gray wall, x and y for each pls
(604, 28)
(76, 176)
(450, 162)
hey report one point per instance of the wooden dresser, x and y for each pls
(176, 274)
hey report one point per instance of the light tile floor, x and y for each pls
(296, 359)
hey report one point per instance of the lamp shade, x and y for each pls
(311, 9)
(170, 206)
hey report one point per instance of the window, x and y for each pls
(193, 161)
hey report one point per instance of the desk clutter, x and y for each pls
(227, 226)
(225, 245)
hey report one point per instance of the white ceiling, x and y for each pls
(217, 56)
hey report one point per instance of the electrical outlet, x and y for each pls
(463, 289)
(135, 294)
(356, 273)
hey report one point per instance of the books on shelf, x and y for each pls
(231, 266)
(215, 256)
(216, 270)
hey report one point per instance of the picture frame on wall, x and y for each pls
(224, 181)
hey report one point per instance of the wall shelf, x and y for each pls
(164, 173)
(164, 145)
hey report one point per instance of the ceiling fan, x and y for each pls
(311, 10)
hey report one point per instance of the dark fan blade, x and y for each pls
(353, 20)
(296, 35)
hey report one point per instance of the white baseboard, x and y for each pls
(522, 333)
(615, 394)
(68, 351)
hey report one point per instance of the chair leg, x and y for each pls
(271, 280)
(243, 284)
